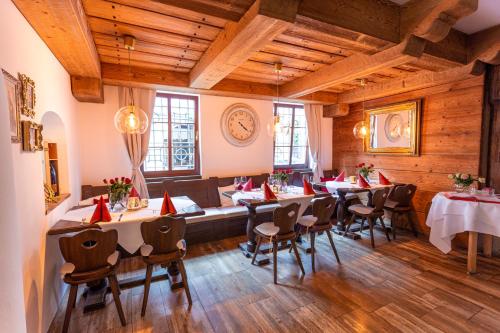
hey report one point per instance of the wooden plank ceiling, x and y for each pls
(173, 35)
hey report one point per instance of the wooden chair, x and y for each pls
(319, 221)
(164, 245)
(371, 213)
(279, 231)
(90, 256)
(398, 204)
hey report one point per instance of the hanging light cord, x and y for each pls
(277, 85)
(130, 91)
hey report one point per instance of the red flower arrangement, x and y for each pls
(118, 189)
(282, 174)
(365, 169)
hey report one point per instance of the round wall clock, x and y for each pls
(393, 127)
(240, 125)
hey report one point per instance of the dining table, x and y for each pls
(128, 225)
(347, 192)
(254, 199)
(452, 213)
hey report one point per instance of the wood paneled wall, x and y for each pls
(450, 140)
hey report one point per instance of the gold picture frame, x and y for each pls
(28, 96)
(13, 92)
(393, 129)
(32, 136)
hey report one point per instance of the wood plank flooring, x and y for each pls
(405, 285)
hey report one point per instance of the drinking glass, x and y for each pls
(243, 179)
(236, 183)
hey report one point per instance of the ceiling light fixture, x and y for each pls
(360, 130)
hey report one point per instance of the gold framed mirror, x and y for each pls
(393, 129)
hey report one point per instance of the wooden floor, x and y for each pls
(402, 286)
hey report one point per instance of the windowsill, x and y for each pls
(161, 179)
(53, 205)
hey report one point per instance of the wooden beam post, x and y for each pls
(354, 67)
(433, 19)
(412, 82)
(87, 89)
(335, 110)
(238, 41)
(485, 46)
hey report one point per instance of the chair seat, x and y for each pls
(390, 204)
(361, 209)
(307, 221)
(68, 268)
(267, 229)
(402, 209)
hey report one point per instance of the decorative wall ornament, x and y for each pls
(240, 125)
(28, 97)
(13, 92)
(32, 136)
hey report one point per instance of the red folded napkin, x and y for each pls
(362, 182)
(239, 187)
(133, 193)
(382, 180)
(248, 186)
(167, 207)
(101, 212)
(459, 197)
(96, 201)
(324, 179)
(308, 189)
(268, 193)
(340, 178)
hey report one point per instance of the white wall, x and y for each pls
(103, 153)
(23, 51)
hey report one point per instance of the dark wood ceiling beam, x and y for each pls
(485, 46)
(63, 26)
(236, 43)
(161, 79)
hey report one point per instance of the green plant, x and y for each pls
(464, 179)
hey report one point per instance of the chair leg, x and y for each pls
(259, 240)
(393, 224)
(362, 225)
(147, 285)
(384, 228)
(351, 221)
(370, 223)
(69, 307)
(329, 234)
(182, 268)
(114, 289)
(275, 261)
(412, 225)
(294, 246)
(313, 251)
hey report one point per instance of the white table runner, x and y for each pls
(129, 228)
(295, 194)
(449, 217)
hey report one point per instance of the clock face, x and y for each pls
(393, 127)
(240, 125)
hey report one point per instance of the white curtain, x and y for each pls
(137, 144)
(314, 113)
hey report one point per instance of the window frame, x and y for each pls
(170, 172)
(291, 166)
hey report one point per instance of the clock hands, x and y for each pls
(246, 129)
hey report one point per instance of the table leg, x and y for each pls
(472, 253)
(174, 277)
(95, 295)
(487, 245)
(341, 207)
(248, 247)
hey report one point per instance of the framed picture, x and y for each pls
(13, 91)
(394, 129)
(32, 136)
(28, 97)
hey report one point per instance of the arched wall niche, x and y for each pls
(54, 132)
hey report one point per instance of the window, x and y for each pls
(173, 144)
(290, 145)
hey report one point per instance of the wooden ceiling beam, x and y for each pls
(176, 81)
(335, 110)
(354, 67)
(411, 82)
(63, 26)
(238, 41)
(485, 46)
(433, 19)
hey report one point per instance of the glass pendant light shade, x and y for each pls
(131, 119)
(360, 130)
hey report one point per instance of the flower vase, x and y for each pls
(461, 188)
(117, 200)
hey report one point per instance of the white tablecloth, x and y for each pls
(332, 186)
(295, 194)
(129, 228)
(449, 217)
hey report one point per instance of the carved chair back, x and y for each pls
(163, 234)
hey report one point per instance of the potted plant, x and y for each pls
(463, 181)
(118, 189)
(365, 169)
